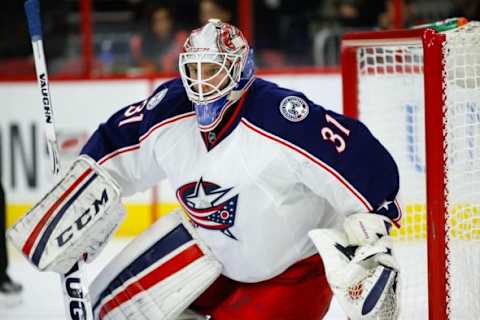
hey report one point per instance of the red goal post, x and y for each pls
(392, 80)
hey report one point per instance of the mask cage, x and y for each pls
(200, 90)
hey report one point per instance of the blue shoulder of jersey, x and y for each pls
(339, 142)
(126, 126)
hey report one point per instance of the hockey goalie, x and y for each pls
(285, 203)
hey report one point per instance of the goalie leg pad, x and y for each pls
(157, 276)
(76, 217)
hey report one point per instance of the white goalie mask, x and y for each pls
(216, 68)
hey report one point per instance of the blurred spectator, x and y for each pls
(15, 48)
(386, 20)
(267, 45)
(219, 9)
(360, 13)
(283, 31)
(185, 14)
(158, 46)
(354, 15)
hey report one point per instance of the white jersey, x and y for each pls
(280, 167)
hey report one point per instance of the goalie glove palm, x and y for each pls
(364, 277)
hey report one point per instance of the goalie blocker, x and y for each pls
(76, 218)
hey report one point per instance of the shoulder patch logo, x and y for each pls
(155, 100)
(294, 108)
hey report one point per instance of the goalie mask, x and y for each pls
(216, 69)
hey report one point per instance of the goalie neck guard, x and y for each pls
(216, 68)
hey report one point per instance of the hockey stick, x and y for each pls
(32, 10)
(77, 300)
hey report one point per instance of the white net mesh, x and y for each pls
(462, 127)
(391, 104)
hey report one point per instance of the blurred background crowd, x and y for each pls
(137, 37)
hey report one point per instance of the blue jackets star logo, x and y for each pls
(207, 205)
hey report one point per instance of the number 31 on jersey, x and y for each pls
(335, 134)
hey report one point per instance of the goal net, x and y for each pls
(418, 91)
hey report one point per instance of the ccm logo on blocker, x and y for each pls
(83, 220)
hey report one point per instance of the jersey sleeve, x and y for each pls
(347, 165)
(334, 156)
(117, 146)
